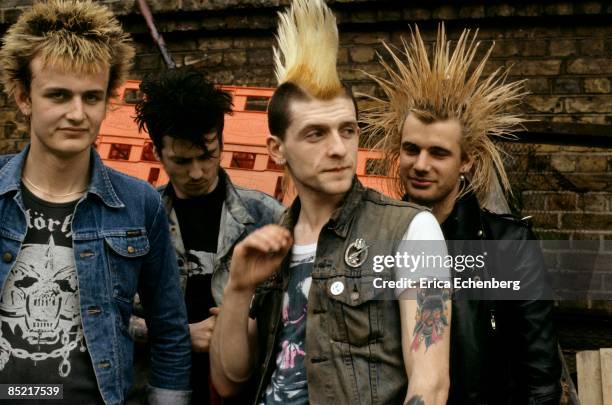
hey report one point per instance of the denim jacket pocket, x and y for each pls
(125, 255)
(356, 308)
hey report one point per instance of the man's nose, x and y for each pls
(195, 171)
(76, 112)
(422, 162)
(336, 146)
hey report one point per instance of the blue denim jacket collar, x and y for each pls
(100, 184)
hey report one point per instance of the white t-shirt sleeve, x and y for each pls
(424, 226)
(424, 242)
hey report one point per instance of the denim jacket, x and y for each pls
(243, 211)
(121, 246)
(353, 336)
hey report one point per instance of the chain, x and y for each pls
(64, 352)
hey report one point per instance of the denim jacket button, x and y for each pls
(131, 249)
(7, 257)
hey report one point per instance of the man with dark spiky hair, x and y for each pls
(184, 116)
(79, 239)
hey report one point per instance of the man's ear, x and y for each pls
(22, 98)
(276, 149)
(466, 164)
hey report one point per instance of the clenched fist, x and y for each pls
(201, 332)
(258, 256)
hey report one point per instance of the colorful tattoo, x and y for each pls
(431, 316)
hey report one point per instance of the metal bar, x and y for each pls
(159, 40)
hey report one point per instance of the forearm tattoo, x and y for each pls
(416, 400)
(431, 317)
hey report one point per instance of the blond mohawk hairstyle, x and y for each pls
(307, 49)
(69, 35)
(445, 87)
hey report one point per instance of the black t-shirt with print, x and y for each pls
(42, 338)
(199, 220)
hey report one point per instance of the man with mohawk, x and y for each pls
(302, 317)
(79, 239)
(436, 126)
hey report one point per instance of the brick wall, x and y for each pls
(563, 48)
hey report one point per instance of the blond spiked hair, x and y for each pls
(440, 89)
(307, 49)
(69, 35)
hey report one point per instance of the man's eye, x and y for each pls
(411, 150)
(58, 96)
(348, 131)
(92, 98)
(439, 153)
(314, 134)
(181, 161)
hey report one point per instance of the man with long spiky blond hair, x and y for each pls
(436, 125)
(79, 239)
(306, 314)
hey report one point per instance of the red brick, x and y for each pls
(561, 202)
(506, 48)
(533, 201)
(234, 58)
(597, 202)
(537, 86)
(566, 86)
(362, 54)
(535, 67)
(259, 57)
(501, 10)
(215, 43)
(389, 15)
(547, 104)
(582, 221)
(564, 163)
(444, 13)
(535, 47)
(591, 164)
(599, 85)
(592, 47)
(590, 66)
(416, 14)
(365, 38)
(561, 8)
(588, 7)
(475, 11)
(590, 181)
(590, 104)
(543, 220)
(562, 47)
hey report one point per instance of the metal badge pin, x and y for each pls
(336, 288)
(356, 253)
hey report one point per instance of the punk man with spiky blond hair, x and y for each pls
(306, 317)
(436, 126)
(79, 239)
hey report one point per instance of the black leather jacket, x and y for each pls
(502, 352)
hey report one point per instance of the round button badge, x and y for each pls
(337, 287)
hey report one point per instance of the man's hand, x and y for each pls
(258, 256)
(201, 332)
